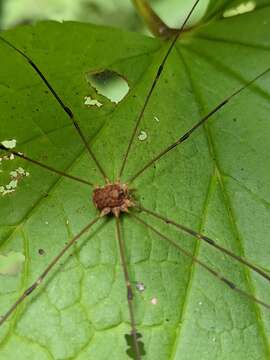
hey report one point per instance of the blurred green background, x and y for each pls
(119, 13)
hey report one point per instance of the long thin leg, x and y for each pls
(159, 72)
(67, 110)
(39, 280)
(206, 239)
(47, 167)
(195, 127)
(216, 274)
(130, 295)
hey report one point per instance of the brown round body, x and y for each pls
(112, 198)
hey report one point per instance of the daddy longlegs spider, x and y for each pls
(114, 198)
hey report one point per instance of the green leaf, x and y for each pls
(217, 182)
(118, 13)
(220, 8)
(11, 263)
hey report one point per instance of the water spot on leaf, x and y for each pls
(7, 157)
(15, 177)
(109, 84)
(11, 264)
(242, 8)
(140, 286)
(154, 301)
(142, 136)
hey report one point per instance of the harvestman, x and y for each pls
(116, 198)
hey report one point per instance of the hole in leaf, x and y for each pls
(130, 351)
(88, 101)
(142, 136)
(242, 8)
(9, 144)
(109, 84)
(11, 264)
(154, 301)
(15, 176)
(140, 286)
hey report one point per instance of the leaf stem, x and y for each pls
(153, 21)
